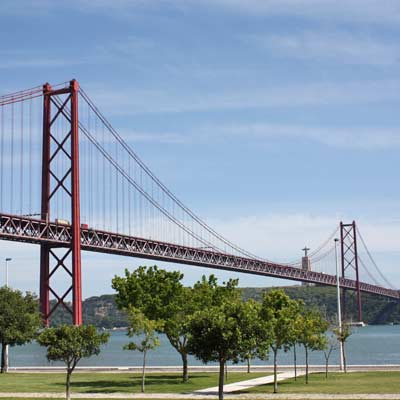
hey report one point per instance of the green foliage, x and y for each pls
(160, 296)
(140, 325)
(152, 290)
(311, 330)
(256, 334)
(19, 320)
(221, 333)
(344, 333)
(281, 312)
(69, 343)
(376, 309)
(222, 329)
(103, 312)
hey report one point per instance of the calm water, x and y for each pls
(368, 345)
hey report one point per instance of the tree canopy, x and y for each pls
(69, 343)
(139, 325)
(160, 296)
(227, 329)
(280, 311)
(19, 320)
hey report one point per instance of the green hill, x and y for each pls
(102, 311)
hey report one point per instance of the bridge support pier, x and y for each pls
(349, 261)
(56, 144)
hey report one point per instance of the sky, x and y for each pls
(272, 120)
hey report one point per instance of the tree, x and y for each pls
(70, 344)
(293, 341)
(160, 296)
(221, 332)
(256, 334)
(19, 320)
(311, 330)
(280, 312)
(342, 335)
(331, 345)
(140, 325)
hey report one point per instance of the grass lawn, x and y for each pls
(338, 383)
(114, 382)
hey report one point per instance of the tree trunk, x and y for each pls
(344, 358)
(226, 372)
(248, 364)
(143, 371)
(326, 367)
(295, 362)
(306, 349)
(185, 375)
(4, 358)
(68, 385)
(221, 380)
(275, 370)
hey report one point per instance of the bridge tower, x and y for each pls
(61, 104)
(349, 261)
(306, 264)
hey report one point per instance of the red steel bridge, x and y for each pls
(96, 194)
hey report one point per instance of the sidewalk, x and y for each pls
(243, 385)
(192, 396)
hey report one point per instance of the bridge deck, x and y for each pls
(23, 229)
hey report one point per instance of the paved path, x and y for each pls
(243, 385)
(172, 396)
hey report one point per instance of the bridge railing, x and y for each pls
(38, 231)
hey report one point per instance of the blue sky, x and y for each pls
(273, 120)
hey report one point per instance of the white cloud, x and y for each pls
(337, 46)
(361, 11)
(349, 11)
(18, 59)
(134, 101)
(347, 137)
(358, 138)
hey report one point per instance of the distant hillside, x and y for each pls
(376, 309)
(102, 311)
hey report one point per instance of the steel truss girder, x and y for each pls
(29, 230)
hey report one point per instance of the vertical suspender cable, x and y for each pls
(104, 182)
(123, 198)
(117, 187)
(21, 164)
(2, 159)
(129, 198)
(12, 160)
(30, 159)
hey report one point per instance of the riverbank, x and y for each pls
(205, 368)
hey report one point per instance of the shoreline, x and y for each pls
(205, 368)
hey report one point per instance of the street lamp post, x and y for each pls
(6, 349)
(339, 312)
(7, 261)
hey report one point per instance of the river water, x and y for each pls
(367, 345)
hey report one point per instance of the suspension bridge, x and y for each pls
(71, 183)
